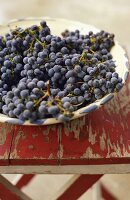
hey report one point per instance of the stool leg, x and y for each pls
(9, 192)
(106, 194)
(24, 180)
(81, 185)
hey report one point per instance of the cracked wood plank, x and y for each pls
(6, 133)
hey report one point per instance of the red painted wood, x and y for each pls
(102, 137)
(35, 145)
(106, 194)
(24, 180)
(6, 133)
(10, 192)
(7, 195)
(81, 185)
(97, 161)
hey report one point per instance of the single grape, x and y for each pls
(29, 105)
(24, 93)
(53, 110)
(66, 105)
(63, 118)
(77, 91)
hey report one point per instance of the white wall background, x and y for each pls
(111, 15)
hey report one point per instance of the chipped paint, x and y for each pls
(86, 154)
(46, 139)
(4, 156)
(74, 126)
(92, 137)
(116, 149)
(30, 146)
(29, 143)
(4, 130)
(48, 129)
(111, 108)
(59, 133)
(34, 135)
(21, 135)
(14, 154)
(89, 154)
(60, 151)
(122, 124)
(50, 156)
(102, 141)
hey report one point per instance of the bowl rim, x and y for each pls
(80, 112)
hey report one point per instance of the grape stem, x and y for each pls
(43, 97)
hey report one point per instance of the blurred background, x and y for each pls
(110, 15)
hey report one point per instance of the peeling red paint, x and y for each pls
(105, 134)
(6, 133)
(34, 145)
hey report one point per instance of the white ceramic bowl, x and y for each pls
(57, 27)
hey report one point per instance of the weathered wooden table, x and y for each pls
(98, 143)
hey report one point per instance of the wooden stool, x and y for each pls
(96, 144)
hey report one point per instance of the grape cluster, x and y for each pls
(44, 76)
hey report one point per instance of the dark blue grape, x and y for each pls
(109, 84)
(29, 105)
(96, 83)
(84, 87)
(24, 93)
(73, 100)
(115, 75)
(66, 105)
(87, 96)
(65, 99)
(90, 82)
(53, 110)
(57, 76)
(41, 84)
(70, 73)
(87, 78)
(108, 75)
(16, 112)
(114, 80)
(97, 91)
(77, 91)
(80, 99)
(36, 91)
(68, 62)
(78, 68)
(63, 118)
(61, 94)
(71, 80)
(119, 86)
(26, 114)
(81, 74)
(31, 85)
